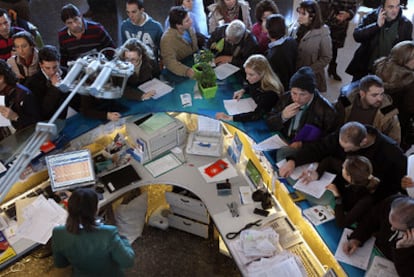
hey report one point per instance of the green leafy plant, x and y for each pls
(205, 74)
(204, 56)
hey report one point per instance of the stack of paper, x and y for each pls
(38, 218)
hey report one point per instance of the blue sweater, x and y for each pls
(149, 32)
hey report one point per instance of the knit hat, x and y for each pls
(304, 79)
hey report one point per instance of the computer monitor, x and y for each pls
(70, 170)
(253, 174)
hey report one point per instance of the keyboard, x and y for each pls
(311, 264)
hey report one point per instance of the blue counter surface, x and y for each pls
(257, 130)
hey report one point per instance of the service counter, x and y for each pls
(80, 131)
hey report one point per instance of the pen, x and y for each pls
(396, 233)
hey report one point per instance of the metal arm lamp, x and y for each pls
(80, 71)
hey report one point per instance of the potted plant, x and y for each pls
(205, 74)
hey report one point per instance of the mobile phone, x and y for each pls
(261, 212)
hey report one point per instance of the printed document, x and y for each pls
(208, 125)
(283, 264)
(160, 88)
(162, 165)
(360, 258)
(225, 70)
(244, 105)
(315, 188)
(381, 267)
(3, 121)
(39, 218)
(298, 170)
(410, 173)
(274, 142)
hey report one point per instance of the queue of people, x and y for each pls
(360, 138)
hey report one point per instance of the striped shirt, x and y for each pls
(6, 44)
(94, 37)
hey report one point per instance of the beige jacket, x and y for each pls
(315, 50)
(385, 120)
(30, 70)
(174, 49)
(214, 17)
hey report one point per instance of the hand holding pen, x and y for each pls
(310, 174)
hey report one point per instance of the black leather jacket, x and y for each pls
(367, 33)
(320, 113)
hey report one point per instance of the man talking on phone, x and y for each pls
(392, 222)
(378, 32)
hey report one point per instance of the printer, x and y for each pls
(155, 134)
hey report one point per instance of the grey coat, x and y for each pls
(315, 50)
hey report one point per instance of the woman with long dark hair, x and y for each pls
(314, 41)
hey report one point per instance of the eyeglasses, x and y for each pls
(300, 11)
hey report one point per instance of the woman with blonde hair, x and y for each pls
(225, 11)
(397, 73)
(263, 86)
(357, 196)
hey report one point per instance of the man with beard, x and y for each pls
(80, 36)
(368, 104)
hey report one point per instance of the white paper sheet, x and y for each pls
(410, 173)
(274, 142)
(315, 188)
(162, 165)
(206, 124)
(225, 70)
(244, 105)
(279, 265)
(160, 88)
(360, 258)
(298, 170)
(381, 267)
(3, 121)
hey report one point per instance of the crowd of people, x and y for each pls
(361, 137)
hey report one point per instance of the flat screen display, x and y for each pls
(70, 170)
(253, 174)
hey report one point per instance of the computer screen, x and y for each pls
(253, 174)
(70, 170)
